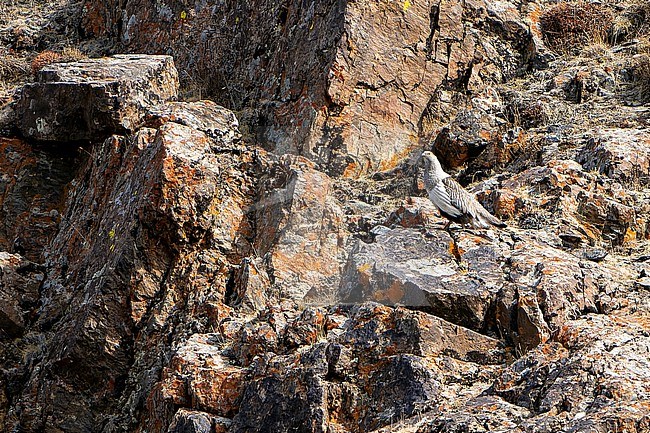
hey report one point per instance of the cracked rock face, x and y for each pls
(175, 276)
(95, 97)
(299, 228)
(343, 83)
(32, 195)
(20, 282)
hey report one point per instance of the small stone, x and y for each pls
(379, 230)
(644, 283)
(595, 255)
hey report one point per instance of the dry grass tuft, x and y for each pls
(572, 25)
(639, 15)
(640, 68)
(72, 54)
(643, 47)
(43, 59)
(632, 23)
(527, 114)
(48, 57)
(13, 68)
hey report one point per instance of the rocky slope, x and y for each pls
(172, 265)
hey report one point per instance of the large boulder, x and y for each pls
(299, 226)
(91, 99)
(403, 266)
(218, 123)
(518, 286)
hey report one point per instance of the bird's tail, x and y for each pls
(491, 219)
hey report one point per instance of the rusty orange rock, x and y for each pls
(300, 226)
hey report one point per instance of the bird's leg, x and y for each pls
(447, 228)
(469, 230)
(453, 246)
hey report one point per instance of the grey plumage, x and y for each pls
(451, 199)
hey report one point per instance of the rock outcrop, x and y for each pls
(593, 379)
(165, 268)
(343, 83)
(144, 214)
(94, 98)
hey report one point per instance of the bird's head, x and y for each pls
(428, 159)
(431, 163)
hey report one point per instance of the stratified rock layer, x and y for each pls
(95, 97)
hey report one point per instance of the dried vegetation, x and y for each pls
(34, 33)
(637, 18)
(47, 57)
(640, 68)
(567, 26)
(13, 68)
(633, 23)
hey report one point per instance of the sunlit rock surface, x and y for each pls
(94, 97)
(201, 266)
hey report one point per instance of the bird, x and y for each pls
(452, 200)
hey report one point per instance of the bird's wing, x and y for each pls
(443, 197)
(468, 205)
(461, 199)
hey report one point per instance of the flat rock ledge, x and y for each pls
(93, 98)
